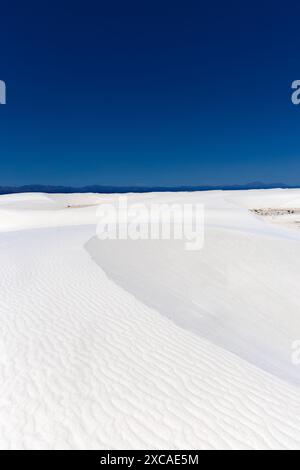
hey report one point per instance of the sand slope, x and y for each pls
(122, 344)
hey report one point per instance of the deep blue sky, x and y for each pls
(149, 93)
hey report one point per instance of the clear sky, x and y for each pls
(149, 93)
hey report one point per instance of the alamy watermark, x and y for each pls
(296, 353)
(125, 219)
(296, 93)
(2, 92)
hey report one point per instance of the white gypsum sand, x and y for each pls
(142, 344)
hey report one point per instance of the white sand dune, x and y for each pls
(141, 344)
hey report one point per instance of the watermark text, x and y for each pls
(2, 92)
(152, 221)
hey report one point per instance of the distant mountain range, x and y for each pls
(34, 188)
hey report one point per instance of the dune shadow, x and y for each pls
(196, 292)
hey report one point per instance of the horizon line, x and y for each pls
(97, 188)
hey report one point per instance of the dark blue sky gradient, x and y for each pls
(149, 93)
